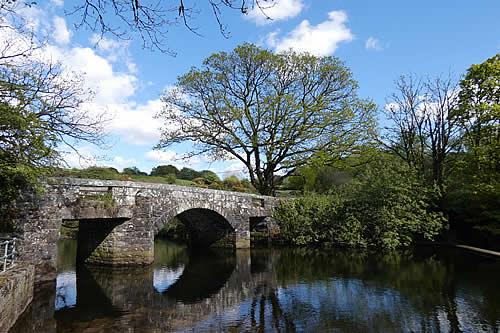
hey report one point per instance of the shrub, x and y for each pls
(385, 207)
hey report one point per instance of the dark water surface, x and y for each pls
(286, 290)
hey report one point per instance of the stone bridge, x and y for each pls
(118, 220)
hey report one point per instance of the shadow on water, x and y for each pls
(269, 290)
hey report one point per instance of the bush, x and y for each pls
(133, 171)
(188, 174)
(170, 178)
(164, 170)
(210, 176)
(385, 207)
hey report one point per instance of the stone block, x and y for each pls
(16, 293)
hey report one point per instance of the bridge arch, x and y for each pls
(205, 226)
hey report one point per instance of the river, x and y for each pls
(272, 290)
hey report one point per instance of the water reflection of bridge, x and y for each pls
(211, 283)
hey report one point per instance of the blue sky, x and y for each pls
(378, 40)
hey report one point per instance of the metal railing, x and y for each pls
(8, 252)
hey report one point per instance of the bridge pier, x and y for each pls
(242, 237)
(108, 243)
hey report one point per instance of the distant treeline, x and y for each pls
(168, 174)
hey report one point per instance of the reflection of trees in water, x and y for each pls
(66, 255)
(170, 254)
(279, 320)
(427, 282)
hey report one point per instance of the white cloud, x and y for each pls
(373, 44)
(114, 50)
(89, 156)
(136, 123)
(232, 168)
(110, 73)
(120, 162)
(162, 156)
(57, 3)
(113, 93)
(276, 11)
(84, 158)
(179, 160)
(320, 40)
(61, 33)
(32, 16)
(107, 44)
(109, 85)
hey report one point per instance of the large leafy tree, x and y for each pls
(271, 112)
(40, 110)
(475, 192)
(479, 113)
(39, 115)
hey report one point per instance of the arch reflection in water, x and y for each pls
(66, 277)
(164, 277)
(204, 275)
(65, 290)
(170, 260)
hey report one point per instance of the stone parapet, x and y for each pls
(16, 293)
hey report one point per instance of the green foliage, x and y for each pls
(25, 155)
(216, 186)
(210, 176)
(473, 194)
(232, 181)
(384, 206)
(188, 174)
(170, 178)
(164, 170)
(133, 171)
(91, 173)
(294, 182)
(479, 114)
(309, 219)
(39, 112)
(271, 111)
(476, 203)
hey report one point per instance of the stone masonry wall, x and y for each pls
(142, 209)
(16, 293)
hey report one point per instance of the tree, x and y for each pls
(133, 171)
(164, 170)
(479, 113)
(474, 194)
(188, 174)
(423, 124)
(151, 20)
(269, 111)
(210, 176)
(41, 110)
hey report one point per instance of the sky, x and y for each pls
(377, 40)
